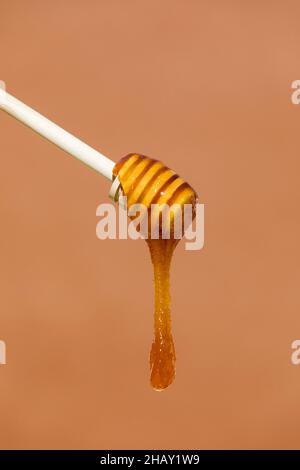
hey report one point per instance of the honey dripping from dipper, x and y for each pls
(147, 181)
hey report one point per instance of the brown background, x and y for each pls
(205, 86)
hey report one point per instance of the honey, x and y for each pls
(147, 181)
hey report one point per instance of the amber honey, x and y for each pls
(147, 181)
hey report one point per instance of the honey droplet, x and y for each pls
(162, 356)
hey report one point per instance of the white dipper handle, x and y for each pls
(56, 134)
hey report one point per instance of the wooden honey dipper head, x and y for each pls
(146, 181)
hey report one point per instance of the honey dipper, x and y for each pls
(142, 180)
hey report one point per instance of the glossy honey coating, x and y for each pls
(148, 181)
